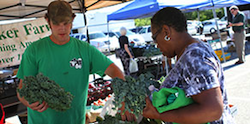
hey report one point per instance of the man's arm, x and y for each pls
(235, 24)
(35, 106)
(208, 106)
(113, 71)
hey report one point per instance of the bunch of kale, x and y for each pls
(133, 92)
(41, 88)
(113, 120)
(151, 51)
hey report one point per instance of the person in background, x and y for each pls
(67, 61)
(124, 52)
(197, 71)
(238, 24)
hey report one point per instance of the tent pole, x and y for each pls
(166, 64)
(108, 33)
(218, 33)
(84, 9)
(225, 11)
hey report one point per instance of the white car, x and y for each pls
(100, 41)
(97, 39)
(79, 36)
(194, 27)
(134, 39)
(145, 32)
(210, 26)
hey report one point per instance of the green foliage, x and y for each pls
(133, 92)
(143, 22)
(41, 88)
(151, 51)
(117, 120)
(113, 120)
(204, 15)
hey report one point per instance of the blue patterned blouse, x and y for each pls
(197, 70)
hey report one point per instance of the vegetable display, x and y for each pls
(41, 88)
(117, 120)
(151, 51)
(113, 120)
(133, 92)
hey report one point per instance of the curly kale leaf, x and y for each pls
(133, 92)
(41, 88)
(108, 119)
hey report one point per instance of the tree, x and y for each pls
(204, 15)
(143, 22)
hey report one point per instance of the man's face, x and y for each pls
(61, 31)
(233, 11)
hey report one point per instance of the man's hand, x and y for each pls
(34, 106)
(230, 24)
(38, 107)
(126, 116)
(150, 111)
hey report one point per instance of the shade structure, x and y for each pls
(15, 9)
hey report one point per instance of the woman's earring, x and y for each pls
(167, 38)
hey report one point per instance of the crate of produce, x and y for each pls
(220, 55)
(98, 89)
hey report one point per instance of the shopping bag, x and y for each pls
(133, 67)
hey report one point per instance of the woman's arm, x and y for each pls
(35, 106)
(127, 50)
(207, 107)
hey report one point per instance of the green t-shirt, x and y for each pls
(240, 17)
(69, 65)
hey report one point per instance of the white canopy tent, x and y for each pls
(15, 9)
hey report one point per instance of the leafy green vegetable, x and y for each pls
(133, 92)
(113, 120)
(151, 51)
(117, 120)
(41, 88)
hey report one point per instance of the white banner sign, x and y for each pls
(16, 37)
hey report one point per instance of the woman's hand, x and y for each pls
(150, 111)
(126, 116)
(38, 107)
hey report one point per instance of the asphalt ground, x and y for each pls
(237, 83)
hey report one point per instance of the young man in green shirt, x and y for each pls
(67, 61)
(239, 32)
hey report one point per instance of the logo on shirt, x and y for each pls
(77, 63)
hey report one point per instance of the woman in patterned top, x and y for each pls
(198, 72)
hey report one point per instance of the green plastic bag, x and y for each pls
(178, 99)
(170, 98)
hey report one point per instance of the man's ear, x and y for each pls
(47, 20)
(46, 17)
